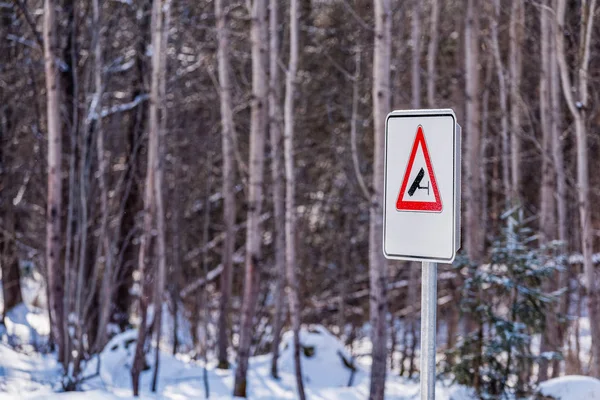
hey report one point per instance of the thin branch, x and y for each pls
(30, 22)
(357, 17)
(118, 108)
(355, 162)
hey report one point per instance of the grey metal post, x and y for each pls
(428, 329)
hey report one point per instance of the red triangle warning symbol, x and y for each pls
(419, 190)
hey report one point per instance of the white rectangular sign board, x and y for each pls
(421, 211)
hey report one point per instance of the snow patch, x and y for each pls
(325, 361)
(571, 388)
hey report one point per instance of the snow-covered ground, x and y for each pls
(571, 388)
(26, 374)
(326, 375)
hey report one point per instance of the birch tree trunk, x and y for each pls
(577, 103)
(69, 87)
(277, 176)
(416, 54)
(107, 281)
(549, 340)
(505, 157)
(377, 263)
(561, 185)
(517, 21)
(159, 177)
(228, 143)
(290, 184)
(54, 202)
(204, 301)
(432, 53)
(176, 268)
(547, 214)
(149, 195)
(557, 149)
(473, 192)
(416, 104)
(258, 126)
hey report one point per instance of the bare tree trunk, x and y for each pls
(416, 104)
(54, 205)
(258, 126)
(394, 339)
(72, 241)
(485, 140)
(277, 176)
(9, 260)
(353, 126)
(517, 21)
(561, 185)
(453, 320)
(149, 195)
(206, 316)
(432, 52)
(228, 143)
(159, 177)
(549, 340)
(473, 192)
(377, 263)
(10, 217)
(547, 214)
(502, 99)
(405, 351)
(416, 54)
(107, 281)
(473, 149)
(578, 107)
(290, 185)
(132, 201)
(557, 150)
(176, 270)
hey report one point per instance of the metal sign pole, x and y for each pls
(428, 329)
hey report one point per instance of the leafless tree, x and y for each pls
(377, 264)
(229, 211)
(577, 102)
(290, 193)
(548, 232)
(432, 51)
(278, 185)
(474, 238)
(500, 71)
(54, 204)
(258, 126)
(150, 198)
(517, 22)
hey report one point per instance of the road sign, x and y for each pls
(414, 197)
(422, 186)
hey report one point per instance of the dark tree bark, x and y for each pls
(9, 221)
(377, 263)
(11, 276)
(278, 184)
(132, 201)
(150, 199)
(290, 194)
(474, 235)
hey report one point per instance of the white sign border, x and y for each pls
(456, 132)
